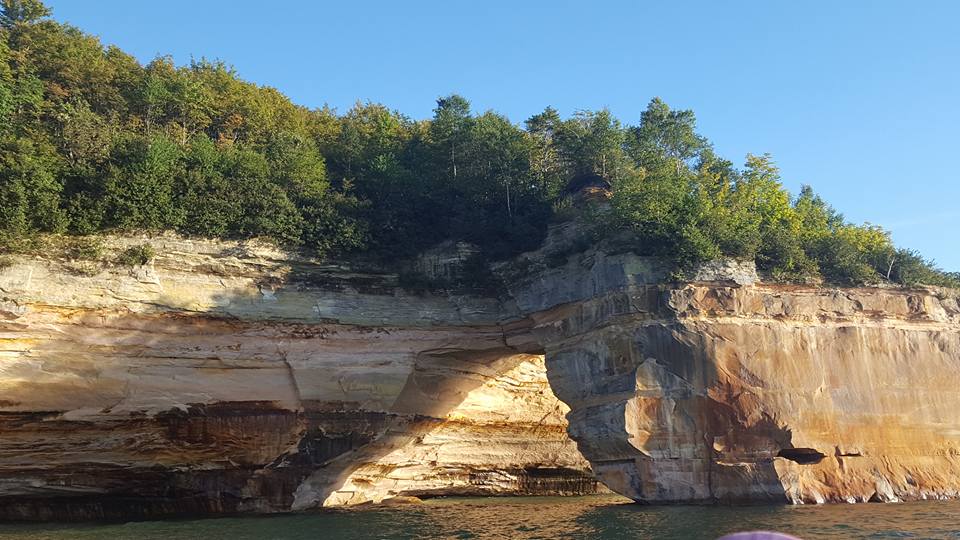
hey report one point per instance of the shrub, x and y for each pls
(137, 255)
(16, 243)
(82, 248)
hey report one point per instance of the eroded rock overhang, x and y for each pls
(231, 377)
(722, 388)
(228, 377)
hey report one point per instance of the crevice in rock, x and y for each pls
(803, 456)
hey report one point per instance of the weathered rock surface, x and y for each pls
(732, 390)
(228, 377)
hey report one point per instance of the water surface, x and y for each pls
(601, 517)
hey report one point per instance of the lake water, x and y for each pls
(602, 517)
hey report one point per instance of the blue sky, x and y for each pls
(856, 98)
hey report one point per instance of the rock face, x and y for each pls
(731, 390)
(227, 377)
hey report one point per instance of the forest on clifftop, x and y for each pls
(93, 141)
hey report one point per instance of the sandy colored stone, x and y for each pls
(733, 390)
(226, 377)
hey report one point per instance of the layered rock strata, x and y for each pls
(726, 389)
(225, 377)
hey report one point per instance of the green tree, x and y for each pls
(760, 194)
(497, 201)
(297, 166)
(212, 205)
(369, 148)
(6, 85)
(14, 12)
(593, 142)
(730, 226)
(154, 94)
(86, 137)
(545, 160)
(192, 104)
(29, 190)
(139, 188)
(449, 130)
(665, 138)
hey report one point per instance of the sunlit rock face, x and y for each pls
(727, 389)
(228, 377)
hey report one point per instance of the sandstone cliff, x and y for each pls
(225, 377)
(727, 389)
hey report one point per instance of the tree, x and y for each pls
(760, 194)
(592, 142)
(192, 103)
(86, 137)
(499, 154)
(449, 129)
(29, 190)
(15, 12)
(297, 166)
(545, 161)
(140, 184)
(665, 137)
(729, 225)
(6, 86)
(154, 92)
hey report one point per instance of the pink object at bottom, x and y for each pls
(758, 535)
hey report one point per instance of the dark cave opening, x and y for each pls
(803, 456)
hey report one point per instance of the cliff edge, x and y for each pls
(725, 389)
(224, 377)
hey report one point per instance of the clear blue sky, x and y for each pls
(856, 98)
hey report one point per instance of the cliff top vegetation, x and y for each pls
(93, 141)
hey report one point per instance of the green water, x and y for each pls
(535, 517)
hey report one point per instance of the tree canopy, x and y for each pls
(92, 140)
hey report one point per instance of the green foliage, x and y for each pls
(593, 142)
(81, 248)
(139, 194)
(136, 255)
(7, 82)
(546, 160)
(29, 189)
(910, 268)
(91, 141)
(665, 138)
(14, 12)
(693, 211)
